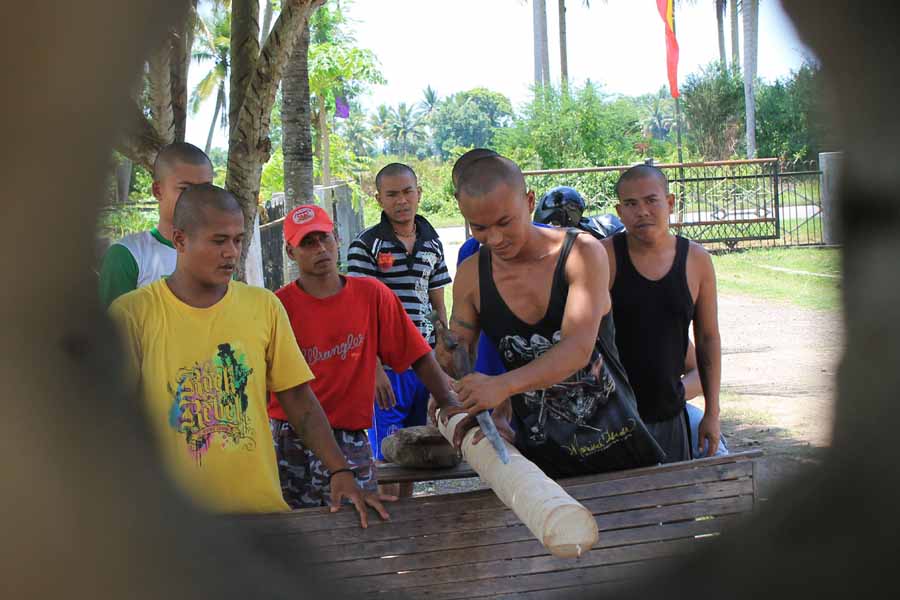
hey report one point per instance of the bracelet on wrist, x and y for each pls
(335, 472)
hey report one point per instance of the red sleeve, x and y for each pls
(400, 343)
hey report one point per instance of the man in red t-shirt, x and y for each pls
(342, 325)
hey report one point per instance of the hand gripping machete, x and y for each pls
(463, 367)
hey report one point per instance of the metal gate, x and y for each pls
(755, 202)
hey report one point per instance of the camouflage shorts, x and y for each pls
(304, 479)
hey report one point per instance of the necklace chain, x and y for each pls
(412, 234)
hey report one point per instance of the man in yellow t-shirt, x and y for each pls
(204, 349)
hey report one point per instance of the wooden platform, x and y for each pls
(392, 473)
(469, 545)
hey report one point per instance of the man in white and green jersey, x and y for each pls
(141, 258)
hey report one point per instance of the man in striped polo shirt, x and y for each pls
(404, 252)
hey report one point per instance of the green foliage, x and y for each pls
(403, 130)
(276, 127)
(437, 203)
(789, 116)
(713, 103)
(212, 43)
(119, 221)
(336, 68)
(272, 179)
(577, 129)
(469, 119)
(657, 115)
(141, 187)
(359, 136)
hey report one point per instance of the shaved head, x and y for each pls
(642, 172)
(465, 160)
(198, 201)
(393, 169)
(178, 153)
(482, 175)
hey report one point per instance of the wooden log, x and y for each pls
(565, 527)
(420, 447)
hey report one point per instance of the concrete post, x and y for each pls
(337, 199)
(831, 164)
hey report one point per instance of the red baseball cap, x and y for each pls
(303, 220)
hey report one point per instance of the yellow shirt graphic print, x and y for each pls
(203, 375)
(211, 405)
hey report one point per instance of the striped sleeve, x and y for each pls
(359, 261)
(440, 276)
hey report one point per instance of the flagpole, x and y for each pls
(678, 135)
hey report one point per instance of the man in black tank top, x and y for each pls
(659, 284)
(541, 295)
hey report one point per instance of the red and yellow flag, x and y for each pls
(667, 12)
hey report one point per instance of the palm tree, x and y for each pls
(429, 101)
(563, 48)
(541, 52)
(359, 137)
(404, 128)
(720, 22)
(379, 121)
(735, 36)
(750, 10)
(658, 117)
(213, 44)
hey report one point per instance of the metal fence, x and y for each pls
(746, 203)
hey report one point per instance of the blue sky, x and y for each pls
(460, 44)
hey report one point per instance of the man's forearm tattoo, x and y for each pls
(463, 324)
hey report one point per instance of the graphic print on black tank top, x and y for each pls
(585, 424)
(573, 400)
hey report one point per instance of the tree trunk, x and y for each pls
(267, 21)
(182, 41)
(750, 9)
(140, 141)
(538, 51)
(326, 145)
(297, 143)
(244, 54)
(255, 77)
(720, 22)
(159, 78)
(563, 52)
(545, 43)
(735, 36)
(220, 102)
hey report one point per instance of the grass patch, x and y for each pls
(760, 272)
(448, 299)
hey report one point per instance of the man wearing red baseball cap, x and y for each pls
(203, 350)
(342, 325)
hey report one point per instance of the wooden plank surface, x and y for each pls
(447, 522)
(473, 573)
(462, 537)
(469, 545)
(581, 489)
(529, 547)
(505, 535)
(492, 578)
